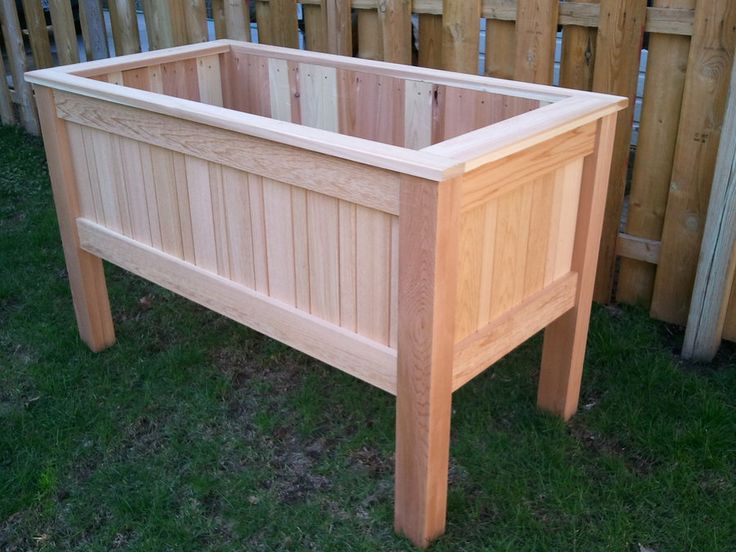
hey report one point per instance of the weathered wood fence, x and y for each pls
(690, 44)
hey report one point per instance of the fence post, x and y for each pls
(714, 278)
(17, 59)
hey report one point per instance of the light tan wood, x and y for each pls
(345, 350)
(565, 339)
(324, 257)
(365, 185)
(318, 96)
(428, 234)
(237, 19)
(38, 34)
(279, 89)
(617, 71)
(536, 29)
(660, 117)
(85, 272)
(706, 84)
(209, 80)
(219, 213)
(279, 241)
(124, 23)
(239, 228)
(418, 102)
(460, 35)
(478, 351)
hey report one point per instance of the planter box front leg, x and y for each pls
(428, 255)
(566, 338)
(85, 271)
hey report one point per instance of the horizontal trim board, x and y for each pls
(475, 353)
(500, 177)
(639, 249)
(353, 182)
(345, 350)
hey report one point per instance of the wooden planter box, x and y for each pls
(405, 225)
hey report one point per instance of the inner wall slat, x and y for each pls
(348, 257)
(222, 245)
(236, 190)
(185, 216)
(136, 191)
(279, 240)
(209, 80)
(149, 180)
(180, 79)
(200, 203)
(373, 273)
(371, 106)
(258, 233)
(301, 248)
(319, 100)
(280, 89)
(323, 246)
(138, 78)
(418, 100)
(167, 202)
(82, 171)
(245, 83)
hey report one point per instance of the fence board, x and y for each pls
(7, 113)
(37, 34)
(370, 38)
(338, 27)
(283, 24)
(430, 41)
(315, 33)
(660, 118)
(237, 19)
(536, 30)
(159, 27)
(92, 22)
(17, 59)
(500, 48)
(578, 55)
(706, 85)
(65, 33)
(618, 49)
(460, 35)
(124, 23)
(195, 21)
(263, 20)
(396, 33)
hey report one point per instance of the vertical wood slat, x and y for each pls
(263, 22)
(160, 27)
(660, 117)
(7, 113)
(500, 48)
(703, 107)
(65, 33)
(394, 17)
(239, 227)
(237, 19)
(536, 30)
(323, 247)
(195, 21)
(578, 55)
(430, 40)
(460, 35)
(714, 278)
(315, 31)
(92, 21)
(17, 60)
(37, 34)
(279, 241)
(218, 15)
(370, 35)
(618, 49)
(283, 23)
(124, 22)
(338, 26)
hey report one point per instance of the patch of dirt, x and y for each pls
(600, 445)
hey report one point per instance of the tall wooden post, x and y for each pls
(428, 244)
(566, 338)
(86, 274)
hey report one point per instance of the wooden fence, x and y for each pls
(690, 42)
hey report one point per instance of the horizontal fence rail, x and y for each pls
(657, 200)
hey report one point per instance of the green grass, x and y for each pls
(195, 433)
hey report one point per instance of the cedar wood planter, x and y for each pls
(405, 225)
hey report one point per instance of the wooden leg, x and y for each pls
(86, 274)
(565, 339)
(427, 280)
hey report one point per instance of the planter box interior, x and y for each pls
(405, 225)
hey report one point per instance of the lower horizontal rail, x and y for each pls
(341, 348)
(478, 351)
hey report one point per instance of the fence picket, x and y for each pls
(460, 35)
(395, 20)
(124, 27)
(578, 55)
(65, 33)
(430, 40)
(38, 34)
(92, 22)
(7, 113)
(536, 29)
(314, 28)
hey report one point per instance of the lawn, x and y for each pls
(195, 433)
